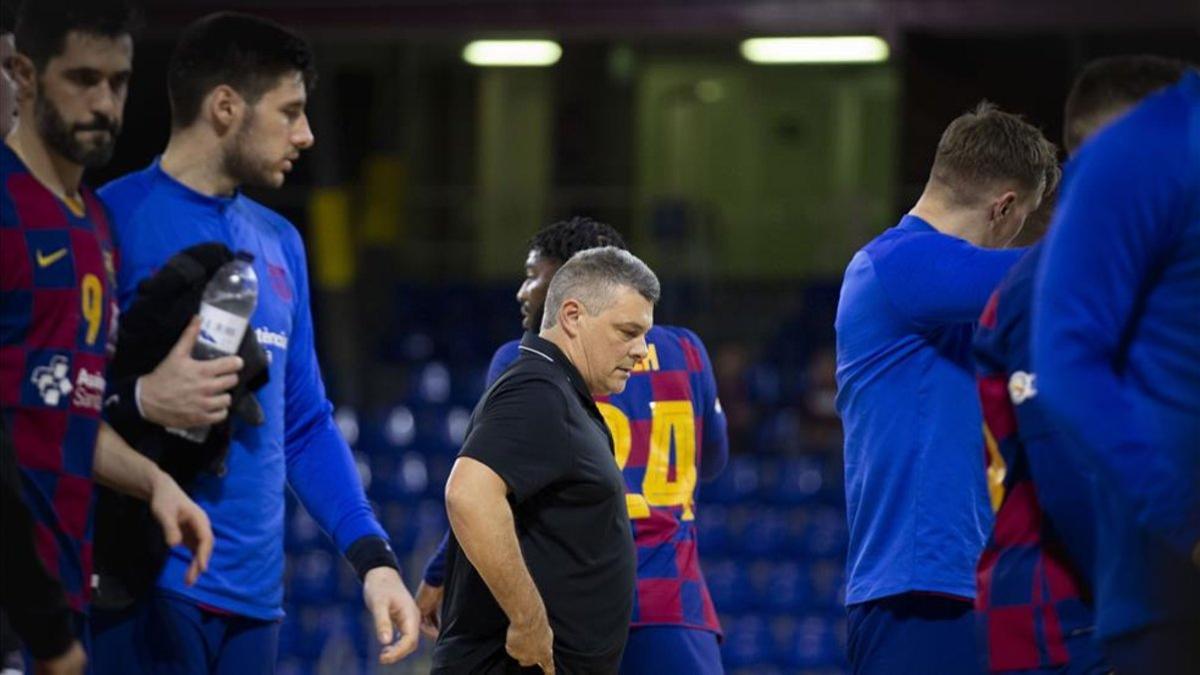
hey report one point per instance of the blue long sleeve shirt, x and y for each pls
(1116, 345)
(916, 496)
(154, 217)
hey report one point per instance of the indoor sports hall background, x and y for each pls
(746, 185)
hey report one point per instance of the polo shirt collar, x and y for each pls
(539, 347)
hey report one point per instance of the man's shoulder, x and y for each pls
(124, 195)
(273, 221)
(507, 353)
(532, 370)
(673, 334)
(531, 385)
(263, 213)
(902, 246)
(9, 164)
(678, 348)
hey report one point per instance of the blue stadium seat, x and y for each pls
(812, 644)
(801, 480)
(729, 585)
(290, 665)
(748, 643)
(760, 531)
(313, 578)
(712, 530)
(784, 589)
(306, 632)
(828, 581)
(401, 527)
(302, 534)
(765, 384)
(828, 536)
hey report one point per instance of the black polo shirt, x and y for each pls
(538, 428)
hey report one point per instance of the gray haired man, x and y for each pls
(541, 563)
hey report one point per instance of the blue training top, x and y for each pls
(154, 216)
(1116, 346)
(916, 498)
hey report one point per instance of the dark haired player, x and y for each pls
(915, 498)
(57, 294)
(1116, 349)
(1035, 576)
(238, 87)
(668, 430)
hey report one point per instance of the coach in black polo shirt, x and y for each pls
(541, 563)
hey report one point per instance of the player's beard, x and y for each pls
(60, 136)
(535, 321)
(240, 163)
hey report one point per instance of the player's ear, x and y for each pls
(569, 316)
(24, 73)
(1003, 206)
(225, 106)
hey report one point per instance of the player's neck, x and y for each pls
(59, 175)
(574, 352)
(197, 163)
(955, 222)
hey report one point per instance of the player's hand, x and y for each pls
(532, 644)
(72, 662)
(394, 610)
(183, 522)
(183, 392)
(429, 602)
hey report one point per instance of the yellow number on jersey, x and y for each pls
(618, 425)
(672, 425)
(91, 295)
(996, 469)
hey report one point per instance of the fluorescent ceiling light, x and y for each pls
(841, 49)
(512, 53)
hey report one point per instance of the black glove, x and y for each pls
(129, 547)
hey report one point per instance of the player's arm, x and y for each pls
(182, 392)
(321, 471)
(715, 440)
(482, 520)
(34, 600)
(935, 280)
(1119, 219)
(430, 591)
(122, 468)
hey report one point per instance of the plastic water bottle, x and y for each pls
(225, 309)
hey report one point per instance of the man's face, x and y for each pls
(80, 97)
(8, 86)
(539, 270)
(614, 341)
(272, 134)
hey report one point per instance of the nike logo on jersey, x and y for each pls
(48, 260)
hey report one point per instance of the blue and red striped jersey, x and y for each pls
(1032, 582)
(659, 431)
(57, 288)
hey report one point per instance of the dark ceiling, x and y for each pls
(631, 18)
